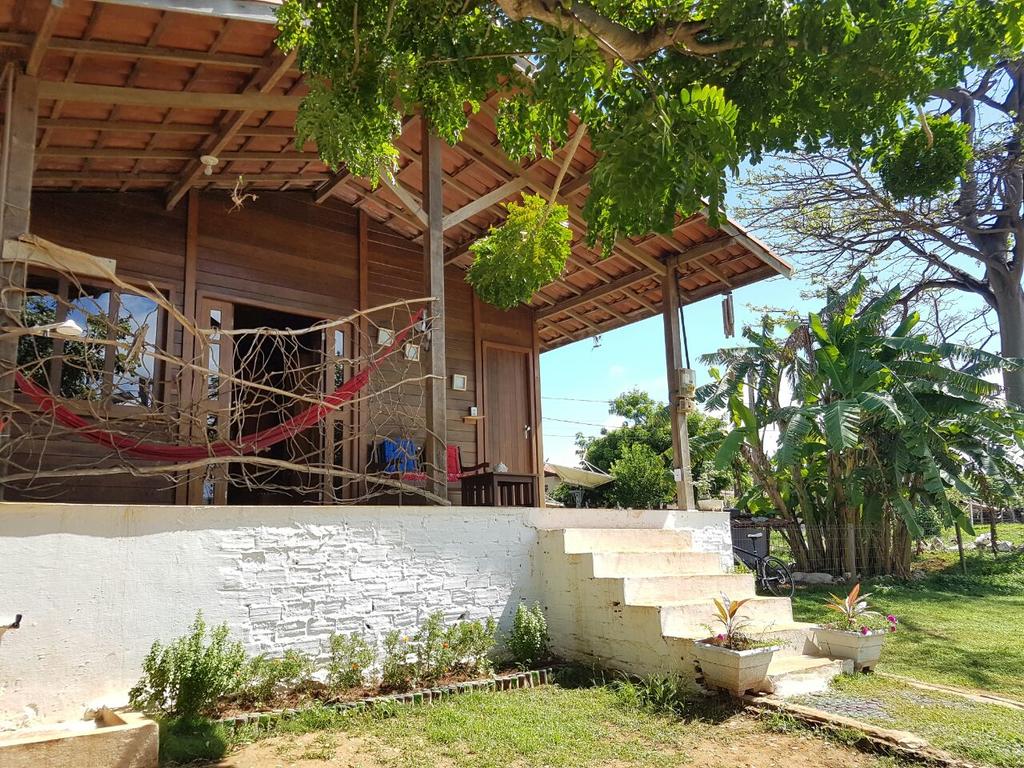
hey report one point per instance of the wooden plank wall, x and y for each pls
(281, 251)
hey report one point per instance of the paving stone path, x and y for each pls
(857, 707)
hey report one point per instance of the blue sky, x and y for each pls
(577, 380)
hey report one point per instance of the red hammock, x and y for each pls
(247, 444)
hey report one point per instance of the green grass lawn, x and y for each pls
(545, 727)
(956, 629)
(986, 733)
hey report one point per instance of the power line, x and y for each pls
(570, 421)
(575, 399)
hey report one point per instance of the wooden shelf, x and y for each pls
(472, 419)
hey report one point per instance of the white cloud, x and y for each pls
(616, 371)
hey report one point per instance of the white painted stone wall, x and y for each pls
(97, 584)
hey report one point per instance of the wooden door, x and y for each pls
(509, 428)
(212, 396)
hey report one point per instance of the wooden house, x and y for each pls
(129, 123)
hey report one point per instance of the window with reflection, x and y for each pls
(113, 363)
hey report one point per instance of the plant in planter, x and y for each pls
(858, 633)
(732, 659)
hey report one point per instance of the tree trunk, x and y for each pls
(992, 527)
(1010, 313)
(902, 550)
(960, 548)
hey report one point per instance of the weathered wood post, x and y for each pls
(433, 272)
(17, 163)
(674, 364)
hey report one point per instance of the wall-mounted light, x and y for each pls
(385, 336)
(67, 329)
(459, 382)
(412, 351)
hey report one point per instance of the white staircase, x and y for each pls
(637, 599)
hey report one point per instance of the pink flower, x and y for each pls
(892, 628)
(719, 637)
(891, 619)
(865, 631)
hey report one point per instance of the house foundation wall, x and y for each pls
(97, 584)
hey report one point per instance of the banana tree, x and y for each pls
(872, 424)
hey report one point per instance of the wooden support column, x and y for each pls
(364, 350)
(538, 429)
(187, 382)
(18, 161)
(433, 272)
(673, 364)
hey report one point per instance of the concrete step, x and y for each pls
(612, 565)
(685, 617)
(799, 674)
(583, 540)
(666, 590)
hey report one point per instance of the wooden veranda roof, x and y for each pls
(133, 92)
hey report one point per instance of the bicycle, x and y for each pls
(771, 574)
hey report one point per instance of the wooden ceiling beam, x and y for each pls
(484, 202)
(633, 295)
(260, 86)
(458, 251)
(574, 185)
(700, 260)
(176, 154)
(133, 51)
(43, 37)
(137, 126)
(149, 97)
(596, 293)
(696, 252)
(407, 198)
(332, 185)
(220, 179)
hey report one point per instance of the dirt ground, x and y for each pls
(739, 742)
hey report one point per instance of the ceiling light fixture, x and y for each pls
(211, 162)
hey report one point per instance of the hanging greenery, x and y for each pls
(676, 94)
(526, 252)
(924, 160)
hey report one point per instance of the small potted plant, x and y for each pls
(858, 633)
(732, 659)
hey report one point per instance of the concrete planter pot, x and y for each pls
(113, 740)
(735, 671)
(863, 650)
